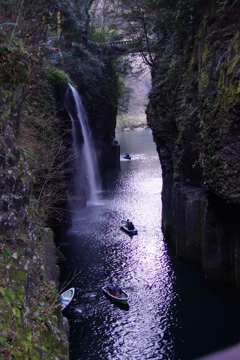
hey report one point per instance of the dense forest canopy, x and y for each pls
(58, 26)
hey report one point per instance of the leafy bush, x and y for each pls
(56, 76)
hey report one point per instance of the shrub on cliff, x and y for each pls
(56, 76)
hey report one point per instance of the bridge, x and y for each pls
(124, 47)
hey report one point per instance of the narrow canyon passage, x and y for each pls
(173, 313)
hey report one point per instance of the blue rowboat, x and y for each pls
(125, 228)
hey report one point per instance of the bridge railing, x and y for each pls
(129, 44)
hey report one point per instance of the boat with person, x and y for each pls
(66, 297)
(127, 156)
(125, 227)
(121, 297)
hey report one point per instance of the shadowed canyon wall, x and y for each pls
(34, 179)
(194, 112)
(31, 320)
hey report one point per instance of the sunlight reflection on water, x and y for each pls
(140, 264)
(173, 313)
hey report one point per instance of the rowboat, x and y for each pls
(66, 297)
(125, 228)
(127, 156)
(121, 298)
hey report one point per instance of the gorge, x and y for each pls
(192, 49)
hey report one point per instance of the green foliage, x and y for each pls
(29, 320)
(104, 34)
(15, 64)
(187, 14)
(43, 149)
(56, 76)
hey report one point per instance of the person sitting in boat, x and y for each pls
(112, 288)
(130, 226)
(118, 291)
(127, 222)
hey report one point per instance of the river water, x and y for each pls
(173, 313)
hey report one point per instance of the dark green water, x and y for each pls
(173, 314)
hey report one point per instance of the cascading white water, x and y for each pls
(86, 175)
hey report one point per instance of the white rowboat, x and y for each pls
(66, 297)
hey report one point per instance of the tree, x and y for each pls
(151, 23)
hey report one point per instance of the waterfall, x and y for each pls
(86, 178)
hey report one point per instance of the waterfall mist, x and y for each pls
(85, 178)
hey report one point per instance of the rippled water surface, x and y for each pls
(172, 312)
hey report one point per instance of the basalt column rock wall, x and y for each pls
(196, 127)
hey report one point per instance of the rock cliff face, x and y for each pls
(30, 317)
(34, 179)
(194, 112)
(35, 164)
